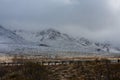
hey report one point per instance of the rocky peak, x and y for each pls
(84, 41)
(51, 34)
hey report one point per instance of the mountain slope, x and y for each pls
(9, 40)
(8, 37)
(53, 40)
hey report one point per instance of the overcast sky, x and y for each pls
(94, 19)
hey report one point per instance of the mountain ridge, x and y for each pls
(51, 40)
(52, 37)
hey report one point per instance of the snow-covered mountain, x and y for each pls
(50, 40)
(57, 41)
(9, 37)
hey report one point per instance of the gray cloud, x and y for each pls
(94, 19)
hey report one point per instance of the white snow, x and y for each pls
(50, 40)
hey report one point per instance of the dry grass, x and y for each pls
(89, 70)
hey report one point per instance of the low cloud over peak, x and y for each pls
(95, 19)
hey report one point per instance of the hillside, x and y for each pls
(52, 41)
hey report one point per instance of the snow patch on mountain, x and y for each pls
(54, 40)
(8, 37)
